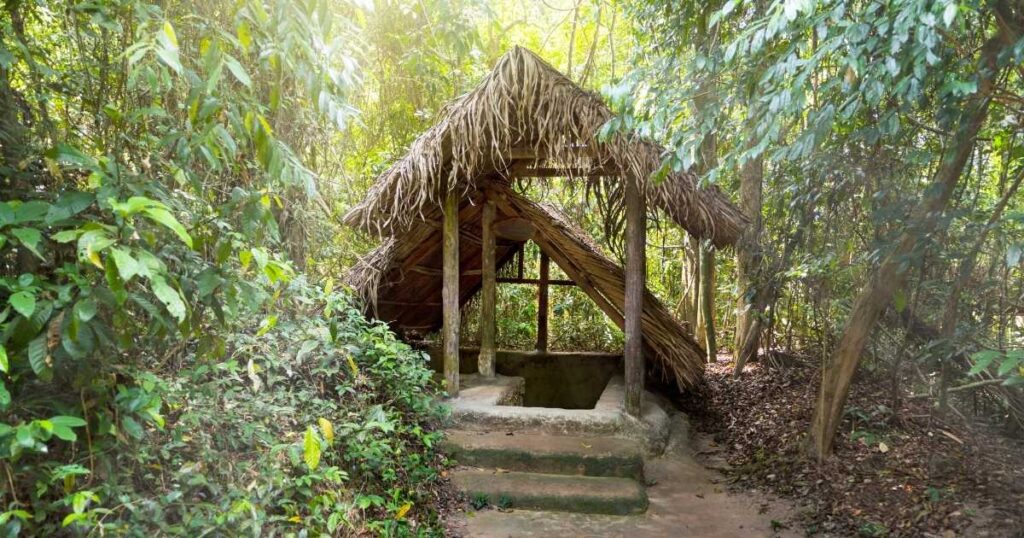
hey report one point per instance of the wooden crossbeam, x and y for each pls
(535, 281)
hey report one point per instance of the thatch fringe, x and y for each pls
(526, 104)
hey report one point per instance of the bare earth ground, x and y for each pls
(898, 469)
(686, 499)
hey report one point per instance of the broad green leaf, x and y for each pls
(168, 296)
(311, 449)
(238, 71)
(85, 309)
(5, 363)
(127, 266)
(5, 396)
(170, 58)
(68, 421)
(68, 205)
(163, 216)
(70, 155)
(24, 303)
(38, 355)
(949, 14)
(33, 211)
(132, 427)
(982, 360)
(29, 237)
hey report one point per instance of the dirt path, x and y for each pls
(686, 499)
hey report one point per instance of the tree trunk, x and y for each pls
(748, 261)
(707, 299)
(891, 273)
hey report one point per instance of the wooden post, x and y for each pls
(542, 302)
(487, 293)
(636, 274)
(450, 294)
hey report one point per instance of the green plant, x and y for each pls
(480, 501)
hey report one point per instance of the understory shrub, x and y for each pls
(320, 424)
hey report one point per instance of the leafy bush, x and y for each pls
(322, 423)
(163, 366)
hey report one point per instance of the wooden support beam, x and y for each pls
(542, 302)
(636, 274)
(450, 294)
(535, 281)
(488, 292)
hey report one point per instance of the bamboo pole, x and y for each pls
(488, 292)
(450, 294)
(636, 273)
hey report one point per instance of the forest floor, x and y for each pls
(898, 470)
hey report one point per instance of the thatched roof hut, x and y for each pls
(525, 119)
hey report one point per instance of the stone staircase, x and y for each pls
(535, 471)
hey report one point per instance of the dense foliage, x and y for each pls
(165, 365)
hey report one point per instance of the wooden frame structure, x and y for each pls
(451, 221)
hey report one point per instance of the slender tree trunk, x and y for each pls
(891, 273)
(748, 261)
(707, 299)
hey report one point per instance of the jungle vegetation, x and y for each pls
(178, 353)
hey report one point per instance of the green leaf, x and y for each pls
(85, 309)
(68, 205)
(311, 449)
(127, 266)
(238, 71)
(900, 300)
(982, 360)
(5, 396)
(132, 427)
(72, 156)
(33, 211)
(5, 363)
(170, 58)
(949, 14)
(37, 355)
(24, 303)
(168, 296)
(163, 216)
(68, 421)
(29, 237)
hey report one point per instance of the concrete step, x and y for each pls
(537, 491)
(551, 454)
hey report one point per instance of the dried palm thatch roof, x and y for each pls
(525, 107)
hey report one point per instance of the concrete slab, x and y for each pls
(587, 494)
(555, 454)
(476, 409)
